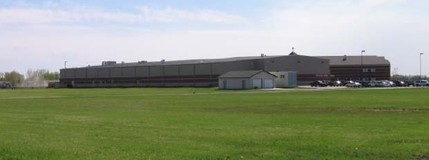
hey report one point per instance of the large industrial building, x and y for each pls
(205, 72)
(358, 67)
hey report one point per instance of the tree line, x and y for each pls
(408, 77)
(33, 78)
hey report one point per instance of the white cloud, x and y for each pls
(173, 15)
(374, 3)
(332, 27)
(82, 15)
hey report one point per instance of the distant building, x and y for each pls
(192, 73)
(354, 68)
(246, 80)
(205, 72)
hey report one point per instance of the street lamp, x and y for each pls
(361, 64)
(421, 65)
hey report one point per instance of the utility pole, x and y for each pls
(421, 54)
(361, 64)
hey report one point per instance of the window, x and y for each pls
(282, 76)
(299, 61)
(373, 70)
(365, 70)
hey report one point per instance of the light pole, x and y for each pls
(361, 64)
(421, 66)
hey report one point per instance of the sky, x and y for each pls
(44, 34)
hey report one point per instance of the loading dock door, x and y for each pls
(257, 83)
(268, 83)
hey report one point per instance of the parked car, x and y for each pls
(343, 83)
(334, 83)
(386, 83)
(421, 83)
(365, 83)
(318, 84)
(353, 84)
(400, 83)
(409, 83)
(375, 84)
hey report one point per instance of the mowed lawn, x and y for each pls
(205, 123)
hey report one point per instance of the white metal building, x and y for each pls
(247, 80)
(285, 79)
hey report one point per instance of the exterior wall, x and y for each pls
(246, 83)
(264, 82)
(67, 73)
(171, 70)
(156, 71)
(308, 68)
(203, 69)
(142, 71)
(116, 72)
(235, 83)
(92, 72)
(368, 72)
(102, 73)
(285, 79)
(80, 73)
(186, 70)
(128, 72)
(300, 64)
(223, 67)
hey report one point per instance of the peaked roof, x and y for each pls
(243, 74)
(356, 60)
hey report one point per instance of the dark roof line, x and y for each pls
(243, 74)
(192, 61)
(356, 60)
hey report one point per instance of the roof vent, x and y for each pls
(142, 61)
(345, 58)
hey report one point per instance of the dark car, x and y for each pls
(399, 83)
(409, 83)
(318, 84)
(365, 83)
(343, 83)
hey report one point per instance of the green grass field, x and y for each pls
(204, 123)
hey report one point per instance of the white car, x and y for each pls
(421, 83)
(353, 85)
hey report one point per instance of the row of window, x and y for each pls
(365, 70)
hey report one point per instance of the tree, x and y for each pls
(50, 75)
(407, 77)
(1, 76)
(13, 77)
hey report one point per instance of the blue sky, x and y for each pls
(42, 34)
